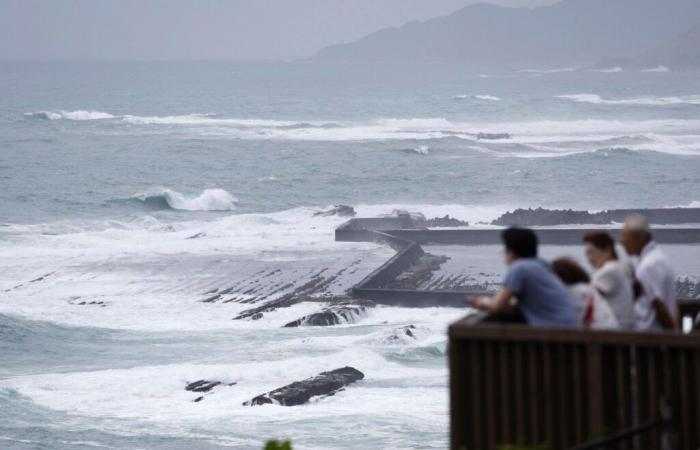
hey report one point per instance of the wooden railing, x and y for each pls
(514, 385)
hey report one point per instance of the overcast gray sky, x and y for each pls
(202, 29)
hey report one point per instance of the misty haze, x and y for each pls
(225, 222)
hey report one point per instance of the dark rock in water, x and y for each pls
(493, 136)
(196, 236)
(332, 315)
(202, 386)
(300, 392)
(338, 210)
(541, 216)
(402, 335)
(446, 221)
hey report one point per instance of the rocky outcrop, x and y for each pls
(338, 210)
(446, 221)
(300, 392)
(401, 335)
(332, 315)
(541, 216)
(203, 386)
(687, 288)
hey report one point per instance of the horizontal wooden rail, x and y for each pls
(517, 385)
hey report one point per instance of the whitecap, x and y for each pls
(640, 101)
(545, 71)
(616, 69)
(477, 97)
(660, 69)
(70, 115)
(207, 200)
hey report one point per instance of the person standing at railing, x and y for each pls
(611, 278)
(592, 310)
(655, 307)
(540, 295)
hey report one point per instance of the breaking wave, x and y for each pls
(642, 101)
(662, 69)
(70, 115)
(208, 200)
(617, 69)
(545, 71)
(533, 138)
(492, 98)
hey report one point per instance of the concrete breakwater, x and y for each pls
(406, 235)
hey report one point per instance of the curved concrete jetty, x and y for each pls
(406, 235)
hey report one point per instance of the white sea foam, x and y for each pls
(661, 69)
(545, 138)
(71, 115)
(422, 150)
(546, 71)
(616, 69)
(208, 200)
(641, 101)
(492, 98)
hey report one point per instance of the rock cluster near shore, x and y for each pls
(344, 312)
(300, 392)
(543, 217)
(204, 386)
(338, 210)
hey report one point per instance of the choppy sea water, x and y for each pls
(128, 191)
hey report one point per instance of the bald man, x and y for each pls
(655, 307)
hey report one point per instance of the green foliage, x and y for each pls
(277, 445)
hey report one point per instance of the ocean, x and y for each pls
(129, 192)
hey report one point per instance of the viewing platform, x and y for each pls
(515, 386)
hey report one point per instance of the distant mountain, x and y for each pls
(569, 32)
(679, 53)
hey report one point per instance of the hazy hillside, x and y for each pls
(681, 52)
(573, 31)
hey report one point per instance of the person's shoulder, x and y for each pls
(613, 268)
(528, 264)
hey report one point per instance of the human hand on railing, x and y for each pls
(481, 302)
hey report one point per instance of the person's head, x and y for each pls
(635, 234)
(569, 271)
(600, 248)
(519, 243)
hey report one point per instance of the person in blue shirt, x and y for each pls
(540, 295)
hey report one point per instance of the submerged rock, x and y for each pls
(332, 315)
(300, 392)
(338, 210)
(202, 386)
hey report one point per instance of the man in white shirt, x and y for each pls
(656, 307)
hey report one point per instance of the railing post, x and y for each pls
(670, 436)
(594, 356)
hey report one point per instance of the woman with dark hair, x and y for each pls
(612, 279)
(593, 312)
